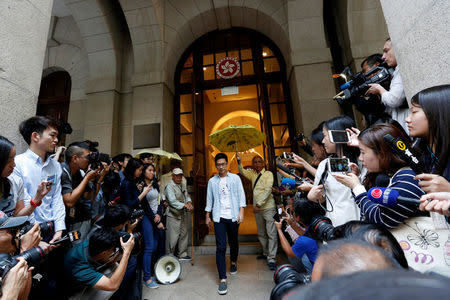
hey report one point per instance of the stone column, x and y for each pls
(420, 34)
(23, 37)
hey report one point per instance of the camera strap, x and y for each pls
(322, 180)
(256, 181)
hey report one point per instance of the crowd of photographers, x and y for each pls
(371, 199)
(77, 224)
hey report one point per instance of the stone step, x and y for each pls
(244, 248)
(242, 238)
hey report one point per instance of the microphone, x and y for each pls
(400, 148)
(382, 180)
(389, 197)
(290, 183)
(280, 166)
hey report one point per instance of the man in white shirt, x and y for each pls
(35, 165)
(226, 201)
(394, 99)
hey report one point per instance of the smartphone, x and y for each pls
(339, 136)
(277, 215)
(338, 165)
(287, 155)
(51, 180)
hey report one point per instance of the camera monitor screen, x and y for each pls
(339, 165)
(338, 136)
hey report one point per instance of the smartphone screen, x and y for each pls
(339, 165)
(338, 136)
(51, 179)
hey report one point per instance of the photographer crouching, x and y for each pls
(91, 269)
(302, 253)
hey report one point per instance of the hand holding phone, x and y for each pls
(338, 165)
(339, 136)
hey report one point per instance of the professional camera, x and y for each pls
(94, 160)
(47, 228)
(322, 228)
(286, 278)
(359, 82)
(136, 214)
(33, 257)
(137, 240)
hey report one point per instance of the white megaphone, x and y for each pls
(167, 269)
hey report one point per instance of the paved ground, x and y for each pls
(253, 281)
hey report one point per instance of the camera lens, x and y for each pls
(322, 228)
(286, 278)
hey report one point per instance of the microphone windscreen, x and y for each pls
(384, 196)
(288, 182)
(382, 180)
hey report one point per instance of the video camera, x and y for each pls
(359, 82)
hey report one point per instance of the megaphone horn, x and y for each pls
(168, 269)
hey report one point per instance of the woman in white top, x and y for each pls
(338, 199)
(12, 193)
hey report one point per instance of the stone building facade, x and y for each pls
(122, 55)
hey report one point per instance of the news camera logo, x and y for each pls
(401, 145)
(378, 194)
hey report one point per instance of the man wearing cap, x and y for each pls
(179, 201)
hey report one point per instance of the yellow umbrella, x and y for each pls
(236, 138)
(160, 152)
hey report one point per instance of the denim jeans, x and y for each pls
(153, 246)
(225, 228)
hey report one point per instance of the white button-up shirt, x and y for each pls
(32, 170)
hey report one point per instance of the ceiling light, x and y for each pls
(264, 53)
(204, 68)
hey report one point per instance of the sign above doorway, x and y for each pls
(228, 67)
(229, 90)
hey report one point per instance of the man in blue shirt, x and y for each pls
(86, 264)
(226, 200)
(304, 248)
(35, 165)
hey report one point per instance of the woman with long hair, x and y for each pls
(152, 226)
(132, 190)
(378, 158)
(340, 206)
(12, 193)
(429, 119)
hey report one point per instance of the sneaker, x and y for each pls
(272, 266)
(233, 269)
(152, 284)
(222, 289)
(261, 257)
(185, 258)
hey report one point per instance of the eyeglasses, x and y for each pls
(221, 165)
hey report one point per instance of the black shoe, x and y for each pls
(222, 289)
(185, 258)
(233, 269)
(272, 266)
(261, 257)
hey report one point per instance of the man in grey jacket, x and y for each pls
(226, 200)
(179, 202)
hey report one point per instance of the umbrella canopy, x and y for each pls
(236, 138)
(161, 153)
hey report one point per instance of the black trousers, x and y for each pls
(225, 228)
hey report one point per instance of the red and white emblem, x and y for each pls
(228, 67)
(376, 193)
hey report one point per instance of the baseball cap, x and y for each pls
(10, 222)
(177, 171)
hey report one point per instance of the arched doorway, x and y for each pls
(54, 99)
(203, 97)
